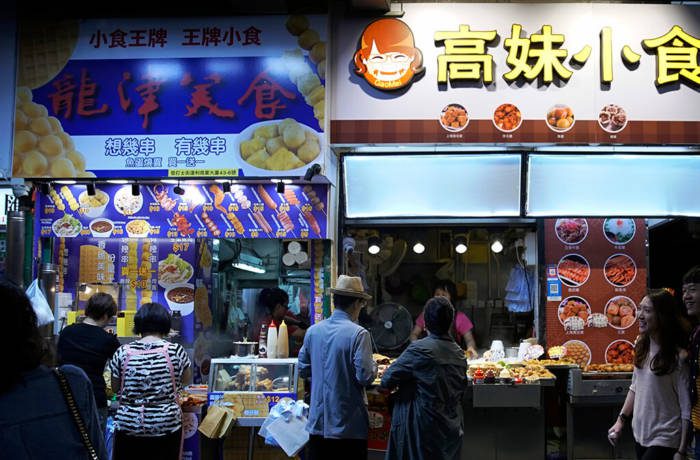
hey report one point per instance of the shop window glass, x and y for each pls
(432, 186)
(613, 185)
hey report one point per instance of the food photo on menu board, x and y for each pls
(601, 270)
(246, 211)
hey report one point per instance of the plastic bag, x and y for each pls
(41, 307)
(285, 426)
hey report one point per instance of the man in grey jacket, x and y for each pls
(337, 357)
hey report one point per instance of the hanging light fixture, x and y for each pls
(460, 244)
(496, 246)
(178, 190)
(226, 186)
(135, 189)
(280, 187)
(418, 248)
(375, 245)
(90, 186)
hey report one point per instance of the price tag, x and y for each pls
(137, 284)
(182, 207)
(180, 247)
(284, 207)
(45, 231)
(281, 233)
(207, 207)
(154, 208)
(82, 210)
(201, 233)
(253, 233)
(304, 233)
(258, 207)
(232, 207)
(172, 233)
(118, 231)
(306, 208)
(230, 234)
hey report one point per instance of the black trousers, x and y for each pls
(653, 452)
(127, 447)
(321, 448)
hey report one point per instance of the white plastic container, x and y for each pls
(272, 341)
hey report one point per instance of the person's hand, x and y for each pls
(472, 353)
(679, 456)
(614, 433)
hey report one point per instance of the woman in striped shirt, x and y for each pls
(148, 373)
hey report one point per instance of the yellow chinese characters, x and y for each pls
(676, 56)
(465, 55)
(547, 55)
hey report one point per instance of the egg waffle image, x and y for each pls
(45, 48)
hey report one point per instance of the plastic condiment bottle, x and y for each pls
(282, 341)
(262, 342)
(272, 341)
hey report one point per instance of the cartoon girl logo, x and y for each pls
(387, 57)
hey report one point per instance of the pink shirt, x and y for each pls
(461, 325)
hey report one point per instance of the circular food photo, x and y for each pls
(101, 227)
(620, 270)
(612, 118)
(174, 270)
(573, 270)
(127, 204)
(67, 226)
(95, 205)
(507, 118)
(180, 297)
(573, 306)
(620, 352)
(619, 230)
(279, 145)
(560, 118)
(138, 228)
(571, 231)
(454, 118)
(578, 352)
(621, 312)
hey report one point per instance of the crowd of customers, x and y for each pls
(56, 412)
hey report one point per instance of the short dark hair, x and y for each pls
(21, 343)
(439, 314)
(692, 276)
(344, 301)
(271, 297)
(101, 304)
(152, 318)
(446, 285)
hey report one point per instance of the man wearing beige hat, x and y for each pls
(337, 357)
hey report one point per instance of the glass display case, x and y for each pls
(242, 375)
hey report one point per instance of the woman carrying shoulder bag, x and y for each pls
(149, 373)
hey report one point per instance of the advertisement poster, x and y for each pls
(136, 271)
(202, 211)
(601, 264)
(202, 97)
(517, 73)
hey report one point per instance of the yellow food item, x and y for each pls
(259, 158)
(283, 160)
(99, 199)
(296, 24)
(249, 147)
(266, 132)
(201, 306)
(41, 147)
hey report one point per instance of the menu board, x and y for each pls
(169, 271)
(596, 277)
(203, 211)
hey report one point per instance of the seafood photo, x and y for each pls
(573, 270)
(620, 270)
